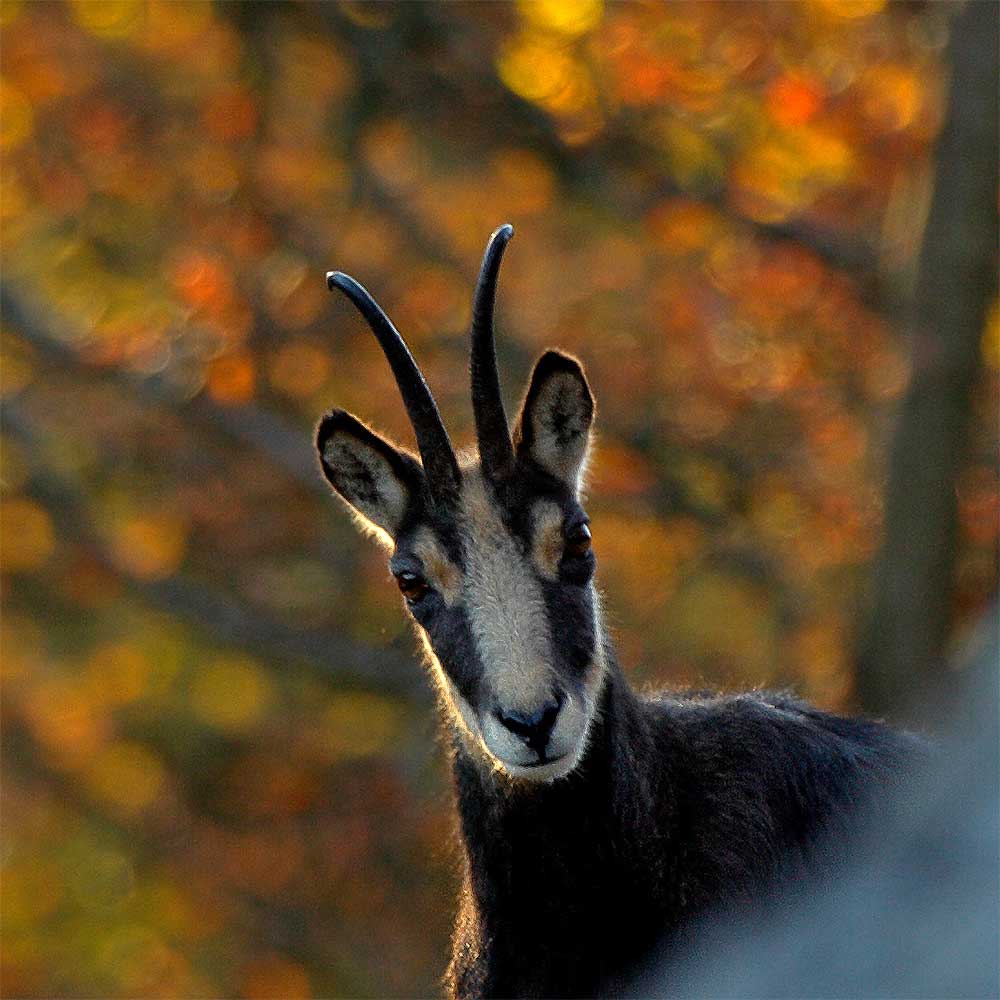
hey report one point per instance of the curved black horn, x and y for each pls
(436, 451)
(492, 431)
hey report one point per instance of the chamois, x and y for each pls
(594, 823)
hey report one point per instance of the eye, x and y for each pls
(578, 540)
(412, 586)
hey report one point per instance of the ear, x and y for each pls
(553, 430)
(377, 479)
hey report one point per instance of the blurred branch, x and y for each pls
(516, 118)
(838, 250)
(223, 616)
(903, 649)
(287, 446)
(429, 247)
(151, 840)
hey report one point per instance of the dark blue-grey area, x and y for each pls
(909, 907)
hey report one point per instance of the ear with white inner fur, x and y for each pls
(377, 479)
(553, 430)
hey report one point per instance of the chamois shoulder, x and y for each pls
(770, 718)
(760, 780)
(761, 727)
(782, 765)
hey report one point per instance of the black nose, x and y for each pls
(533, 728)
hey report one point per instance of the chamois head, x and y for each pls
(491, 550)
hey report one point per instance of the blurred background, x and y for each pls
(221, 773)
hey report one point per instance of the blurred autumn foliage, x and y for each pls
(220, 773)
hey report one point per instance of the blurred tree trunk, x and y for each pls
(902, 650)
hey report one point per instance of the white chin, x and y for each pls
(549, 771)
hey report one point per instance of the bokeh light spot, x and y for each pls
(275, 977)
(150, 546)
(358, 724)
(27, 537)
(109, 18)
(16, 118)
(299, 368)
(118, 672)
(9, 10)
(534, 68)
(232, 378)
(127, 776)
(793, 99)
(230, 693)
(566, 17)
(851, 9)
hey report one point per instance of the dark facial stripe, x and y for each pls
(451, 639)
(570, 610)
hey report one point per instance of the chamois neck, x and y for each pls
(539, 858)
(503, 818)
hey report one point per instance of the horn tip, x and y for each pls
(504, 232)
(337, 279)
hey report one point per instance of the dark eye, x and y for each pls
(578, 541)
(412, 587)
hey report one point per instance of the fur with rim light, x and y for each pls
(594, 823)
